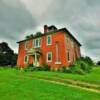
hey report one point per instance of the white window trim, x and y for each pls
(47, 39)
(47, 56)
(34, 43)
(27, 59)
(57, 62)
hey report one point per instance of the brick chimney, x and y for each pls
(45, 28)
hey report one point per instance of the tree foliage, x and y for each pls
(98, 63)
(7, 55)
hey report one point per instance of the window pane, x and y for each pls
(26, 59)
(49, 40)
(37, 42)
(49, 56)
(68, 55)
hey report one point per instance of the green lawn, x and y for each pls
(18, 85)
(93, 77)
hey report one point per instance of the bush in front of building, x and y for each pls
(64, 69)
(46, 67)
(31, 68)
(81, 66)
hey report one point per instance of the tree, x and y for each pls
(98, 63)
(7, 55)
(88, 60)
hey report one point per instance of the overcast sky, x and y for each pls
(81, 17)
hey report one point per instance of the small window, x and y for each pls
(37, 43)
(68, 53)
(49, 57)
(49, 40)
(26, 45)
(26, 59)
(72, 43)
(67, 39)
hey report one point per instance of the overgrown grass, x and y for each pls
(17, 85)
(93, 77)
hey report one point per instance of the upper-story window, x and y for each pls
(49, 40)
(37, 43)
(72, 43)
(26, 44)
(67, 38)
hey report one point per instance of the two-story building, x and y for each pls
(55, 47)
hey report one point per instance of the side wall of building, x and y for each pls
(73, 48)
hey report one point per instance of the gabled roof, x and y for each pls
(51, 32)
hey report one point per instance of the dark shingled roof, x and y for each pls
(62, 29)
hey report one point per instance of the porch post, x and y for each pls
(35, 59)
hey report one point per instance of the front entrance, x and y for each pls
(35, 53)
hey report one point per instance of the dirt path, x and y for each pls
(80, 83)
(70, 85)
(61, 83)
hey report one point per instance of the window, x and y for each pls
(67, 39)
(68, 53)
(26, 59)
(49, 40)
(72, 43)
(49, 57)
(26, 44)
(37, 43)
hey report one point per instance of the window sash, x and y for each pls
(37, 43)
(26, 59)
(49, 57)
(48, 39)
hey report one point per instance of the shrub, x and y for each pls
(46, 67)
(81, 66)
(77, 70)
(64, 69)
(30, 67)
(29, 36)
(38, 34)
(85, 67)
(39, 68)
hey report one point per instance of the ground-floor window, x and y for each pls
(49, 57)
(26, 58)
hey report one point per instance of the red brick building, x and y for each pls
(55, 47)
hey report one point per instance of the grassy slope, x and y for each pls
(93, 77)
(15, 85)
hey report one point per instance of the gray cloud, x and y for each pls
(14, 20)
(81, 17)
